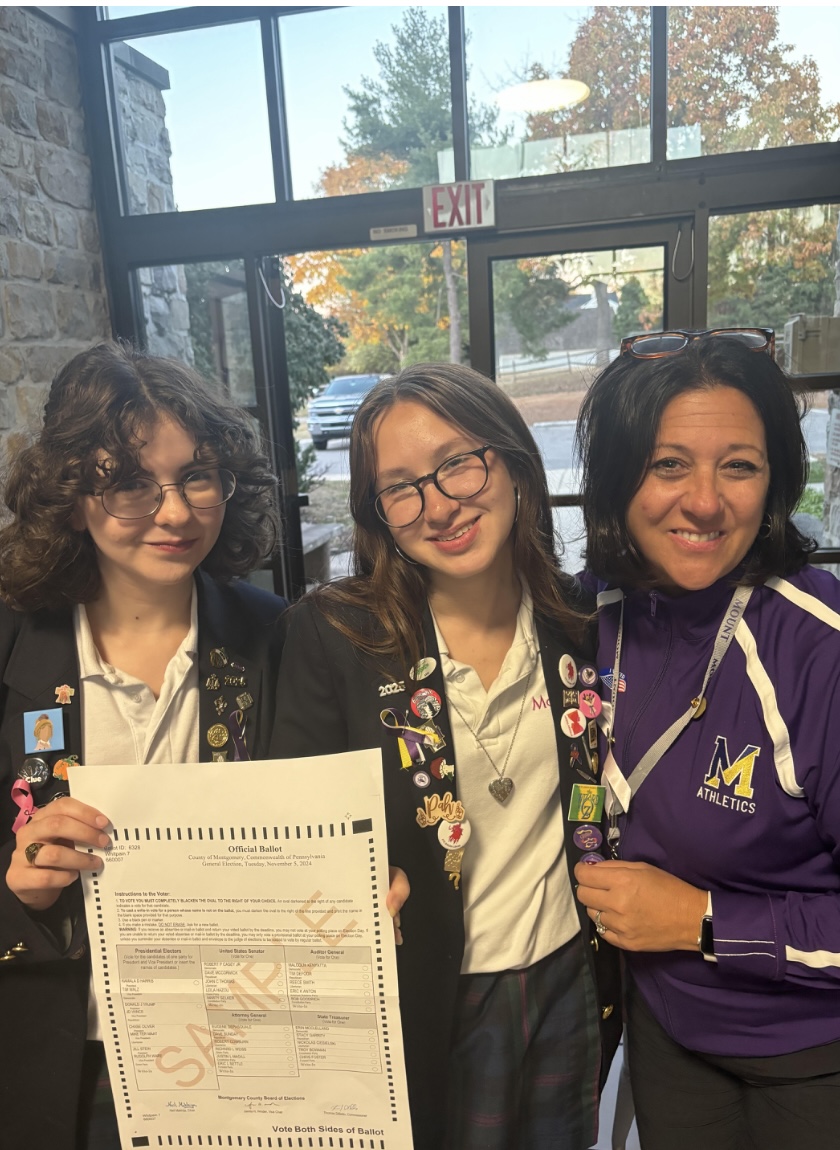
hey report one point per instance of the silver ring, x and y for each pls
(599, 926)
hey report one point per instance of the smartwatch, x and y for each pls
(706, 939)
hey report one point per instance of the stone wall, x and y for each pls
(52, 295)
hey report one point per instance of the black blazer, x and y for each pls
(330, 699)
(44, 961)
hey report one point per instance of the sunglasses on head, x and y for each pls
(656, 344)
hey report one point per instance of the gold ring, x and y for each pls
(31, 852)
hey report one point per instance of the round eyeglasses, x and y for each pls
(460, 477)
(141, 497)
(657, 344)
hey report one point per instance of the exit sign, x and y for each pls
(459, 207)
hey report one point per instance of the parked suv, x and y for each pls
(331, 413)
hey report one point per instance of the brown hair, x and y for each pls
(617, 431)
(392, 592)
(101, 401)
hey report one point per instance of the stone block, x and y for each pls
(17, 110)
(159, 198)
(25, 261)
(38, 222)
(72, 269)
(76, 135)
(16, 22)
(74, 316)
(64, 176)
(10, 224)
(89, 232)
(29, 400)
(30, 313)
(165, 278)
(8, 407)
(66, 227)
(137, 205)
(11, 365)
(52, 123)
(9, 148)
(62, 73)
(21, 64)
(43, 361)
(179, 312)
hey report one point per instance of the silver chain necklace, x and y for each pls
(501, 788)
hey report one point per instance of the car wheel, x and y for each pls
(319, 444)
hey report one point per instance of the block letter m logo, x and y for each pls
(741, 769)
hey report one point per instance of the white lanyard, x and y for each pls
(622, 789)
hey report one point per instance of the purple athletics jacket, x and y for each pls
(745, 803)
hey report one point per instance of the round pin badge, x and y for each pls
(573, 722)
(218, 735)
(425, 703)
(588, 675)
(568, 671)
(590, 703)
(452, 835)
(587, 837)
(34, 771)
(421, 779)
(423, 669)
(592, 858)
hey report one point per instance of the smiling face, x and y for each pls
(702, 498)
(452, 539)
(161, 550)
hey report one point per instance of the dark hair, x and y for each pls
(395, 590)
(101, 401)
(616, 437)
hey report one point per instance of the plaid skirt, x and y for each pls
(525, 1058)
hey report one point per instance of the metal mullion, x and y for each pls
(458, 87)
(188, 19)
(658, 86)
(105, 147)
(276, 100)
(289, 575)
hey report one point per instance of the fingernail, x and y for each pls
(101, 821)
(104, 841)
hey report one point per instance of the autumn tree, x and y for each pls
(734, 82)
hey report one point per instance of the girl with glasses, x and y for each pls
(721, 649)
(142, 502)
(460, 650)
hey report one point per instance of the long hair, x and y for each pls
(103, 400)
(617, 430)
(391, 592)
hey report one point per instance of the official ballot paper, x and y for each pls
(243, 957)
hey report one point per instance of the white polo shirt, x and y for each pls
(123, 722)
(518, 902)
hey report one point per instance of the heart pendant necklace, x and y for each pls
(502, 787)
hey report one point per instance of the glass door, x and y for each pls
(557, 307)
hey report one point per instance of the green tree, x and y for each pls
(628, 317)
(404, 116)
(531, 294)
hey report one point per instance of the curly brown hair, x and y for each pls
(392, 591)
(102, 400)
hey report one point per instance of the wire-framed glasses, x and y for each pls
(656, 344)
(139, 497)
(460, 477)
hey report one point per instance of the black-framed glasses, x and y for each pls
(460, 477)
(140, 497)
(656, 344)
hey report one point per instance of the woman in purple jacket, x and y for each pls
(720, 655)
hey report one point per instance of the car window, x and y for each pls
(350, 385)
